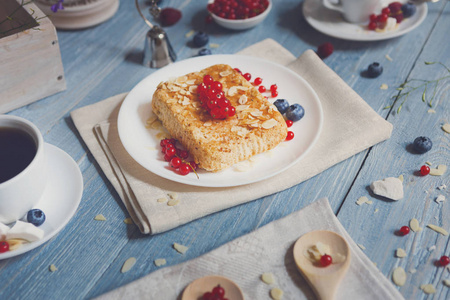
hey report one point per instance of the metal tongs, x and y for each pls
(158, 51)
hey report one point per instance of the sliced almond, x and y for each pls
(225, 73)
(243, 99)
(438, 229)
(361, 246)
(399, 276)
(52, 268)
(362, 200)
(440, 170)
(15, 244)
(242, 107)
(268, 278)
(446, 127)
(173, 202)
(400, 253)
(414, 225)
(128, 221)
(161, 200)
(207, 123)
(269, 123)
(160, 262)
(180, 248)
(401, 178)
(100, 217)
(428, 288)
(276, 294)
(447, 282)
(128, 264)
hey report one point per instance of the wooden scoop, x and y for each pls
(196, 289)
(323, 280)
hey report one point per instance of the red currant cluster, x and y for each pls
(237, 9)
(213, 99)
(257, 82)
(394, 10)
(177, 157)
(218, 293)
(4, 247)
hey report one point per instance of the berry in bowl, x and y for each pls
(239, 14)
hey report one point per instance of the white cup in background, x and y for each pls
(354, 11)
(20, 192)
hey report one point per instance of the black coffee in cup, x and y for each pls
(17, 150)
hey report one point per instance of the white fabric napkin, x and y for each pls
(268, 249)
(350, 126)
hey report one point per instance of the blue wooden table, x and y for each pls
(106, 60)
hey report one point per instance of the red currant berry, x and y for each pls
(404, 230)
(163, 142)
(170, 152)
(372, 25)
(262, 89)
(247, 76)
(395, 7)
(424, 170)
(184, 169)
(326, 260)
(218, 291)
(399, 18)
(325, 50)
(237, 70)
(386, 11)
(167, 157)
(290, 135)
(207, 296)
(184, 154)
(193, 165)
(175, 162)
(258, 81)
(4, 246)
(289, 123)
(207, 79)
(274, 94)
(173, 141)
(273, 87)
(216, 85)
(444, 260)
(231, 111)
(373, 17)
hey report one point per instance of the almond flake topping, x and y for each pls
(242, 107)
(400, 253)
(207, 123)
(268, 278)
(128, 264)
(182, 79)
(160, 262)
(52, 268)
(191, 82)
(399, 276)
(243, 99)
(100, 217)
(242, 88)
(193, 89)
(258, 113)
(186, 101)
(232, 91)
(180, 248)
(276, 294)
(225, 73)
(269, 123)
(428, 288)
(439, 171)
(438, 229)
(414, 224)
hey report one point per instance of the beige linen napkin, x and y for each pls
(350, 126)
(268, 249)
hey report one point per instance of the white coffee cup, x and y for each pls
(354, 11)
(23, 191)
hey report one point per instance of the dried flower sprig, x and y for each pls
(407, 88)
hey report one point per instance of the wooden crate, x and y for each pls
(30, 60)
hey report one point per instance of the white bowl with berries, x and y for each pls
(239, 14)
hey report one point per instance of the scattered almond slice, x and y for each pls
(401, 178)
(207, 123)
(428, 288)
(361, 246)
(439, 171)
(384, 86)
(362, 200)
(447, 282)
(52, 268)
(376, 210)
(212, 45)
(161, 200)
(100, 217)
(15, 244)
(189, 33)
(160, 262)
(399, 276)
(370, 202)
(440, 198)
(432, 248)
(400, 253)
(338, 258)
(128, 221)
(442, 187)
(412, 271)
(128, 264)
(276, 294)
(438, 229)
(388, 57)
(414, 225)
(180, 248)
(225, 73)
(446, 127)
(268, 278)
(173, 202)
(429, 163)
(173, 195)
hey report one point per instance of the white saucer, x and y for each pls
(61, 197)
(331, 22)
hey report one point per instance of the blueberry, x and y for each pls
(204, 51)
(36, 217)
(295, 112)
(422, 144)
(374, 70)
(200, 39)
(408, 9)
(282, 105)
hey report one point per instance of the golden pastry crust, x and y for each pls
(218, 144)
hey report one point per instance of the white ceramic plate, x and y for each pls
(143, 145)
(61, 197)
(331, 22)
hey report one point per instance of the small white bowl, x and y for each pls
(241, 24)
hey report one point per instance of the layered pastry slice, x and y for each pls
(218, 142)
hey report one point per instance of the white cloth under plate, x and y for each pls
(350, 126)
(268, 249)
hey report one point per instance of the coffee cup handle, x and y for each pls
(334, 6)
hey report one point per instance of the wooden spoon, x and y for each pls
(323, 280)
(196, 289)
